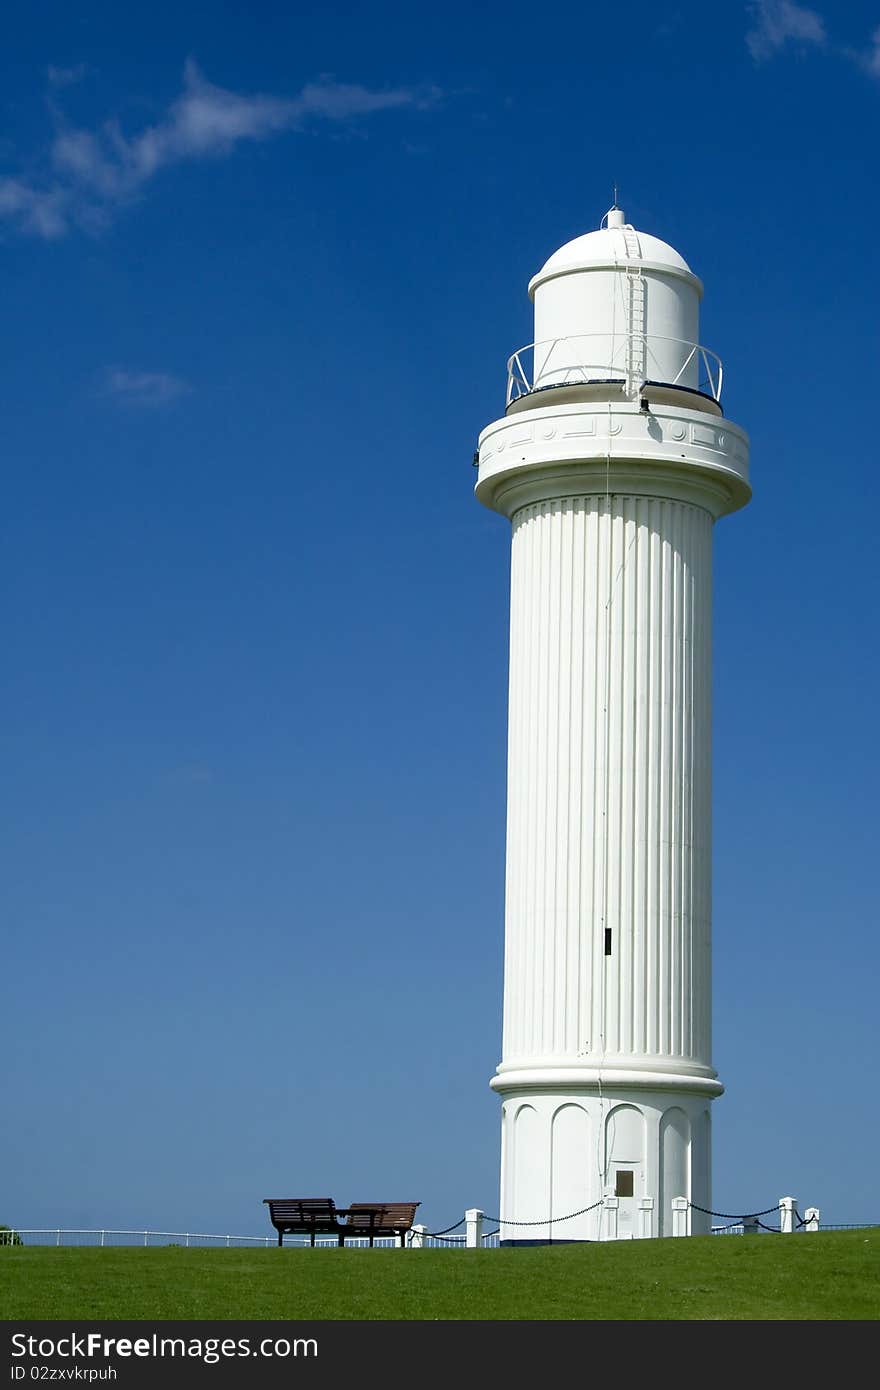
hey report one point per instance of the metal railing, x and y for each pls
(451, 1238)
(77, 1237)
(568, 361)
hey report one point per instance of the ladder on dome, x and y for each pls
(637, 347)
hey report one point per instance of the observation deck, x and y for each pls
(619, 365)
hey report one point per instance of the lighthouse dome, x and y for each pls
(614, 245)
(616, 304)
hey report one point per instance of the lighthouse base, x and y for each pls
(587, 1163)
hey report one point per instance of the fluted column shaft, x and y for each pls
(609, 782)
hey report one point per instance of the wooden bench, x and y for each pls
(320, 1216)
(379, 1219)
(305, 1216)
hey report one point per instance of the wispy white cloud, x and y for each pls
(94, 171)
(42, 211)
(871, 58)
(778, 23)
(142, 388)
(65, 77)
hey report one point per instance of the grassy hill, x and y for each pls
(829, 1275)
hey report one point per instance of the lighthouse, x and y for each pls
(613, 460)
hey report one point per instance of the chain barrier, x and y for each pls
(733, 1216)
(548, 1220)
(446, 1230)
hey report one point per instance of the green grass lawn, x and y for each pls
(830, 1275)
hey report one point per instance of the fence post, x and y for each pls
(811, 1219)
(680, 1211)
(750, 1225)
(610, 1208)
(473, 1228)
(646, 1218)
(417, 1238)
(786, 1214)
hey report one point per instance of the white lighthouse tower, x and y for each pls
(613, 460)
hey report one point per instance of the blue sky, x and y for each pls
(262, 265)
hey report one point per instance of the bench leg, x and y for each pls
(280, 1237)
(312, 1240)
(341, 1241)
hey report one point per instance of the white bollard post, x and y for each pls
(786, 1214)
(417, 1238)
(646, 1218)
(680, 1213)
(611, 1207)
(473, 1229)
(811, 1219)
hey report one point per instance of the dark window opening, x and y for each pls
(608, 941)
(624, 1185)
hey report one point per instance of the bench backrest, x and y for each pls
(301, 1211)
(382, 1216)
